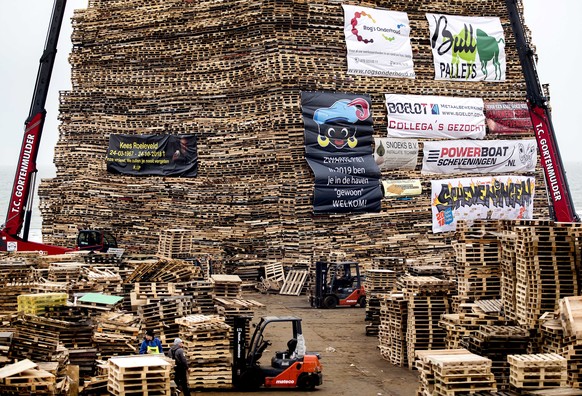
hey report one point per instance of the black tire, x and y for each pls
(251, 380)
(362, 302)
(306, 382)
(330, 302)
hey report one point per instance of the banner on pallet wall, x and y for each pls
(508, 117)
(490, 198)
(479, 156)
(401, 188)
(467, 48)
(395, 153)
(153, 155)
(378, 42)
(338, 148)
(425, 116)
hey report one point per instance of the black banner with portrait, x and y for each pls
(153, 155)
(338, 148)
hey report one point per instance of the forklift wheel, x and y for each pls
(306, 382)
(362, 302)
(330, 302)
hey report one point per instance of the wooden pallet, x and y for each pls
(294, 282)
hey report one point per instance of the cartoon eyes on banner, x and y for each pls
(328, 118)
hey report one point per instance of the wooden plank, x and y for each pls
(16, 368)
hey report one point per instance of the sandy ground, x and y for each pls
(352, 364)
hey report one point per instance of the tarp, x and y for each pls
(491, 198)
(378, 42)
(154, 155)
(338, 148)
(467, 48)
(479, 156)
(392, 153)
(426, 116)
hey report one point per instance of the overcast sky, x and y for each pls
(24, 23)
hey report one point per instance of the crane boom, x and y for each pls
(558, 191)
(20, 205)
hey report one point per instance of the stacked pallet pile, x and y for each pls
(453, 372)
(427, 299)
(392, 329)
(26, 378)
(228, 286)
(547, 268)
(466, 325)
(37, 304)
(144, 375)
(570, 314)
(160, 314)
(377, 282)
(17, 278)
(207, 345)
(496, 343)
(116, 334)
(235, 82)
(537, 371)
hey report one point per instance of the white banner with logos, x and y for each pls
(424, 116)
(479, 156)
(467, 48)
(396, 153)
(490, 198)
(378, 42)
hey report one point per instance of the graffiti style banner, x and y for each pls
(467, 48)
(395, 153)
(508, 117)
(423, 116)
(481, 156)
(491, 198)
(378, 42)
(153, 155)
(338, 148)
(401, 188)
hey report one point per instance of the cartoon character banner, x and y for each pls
(395, 153)
(338, 148)
(425, 116)
(491, 198)
(153, 155)
(467, 48)
(480, 156)
(508, 117)
(378, 42)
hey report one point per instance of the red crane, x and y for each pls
(558, 191)
(14, 232)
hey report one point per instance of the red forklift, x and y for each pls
(290, 368)
(338, 284)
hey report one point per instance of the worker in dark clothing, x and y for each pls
(151, 344)
(181, 367)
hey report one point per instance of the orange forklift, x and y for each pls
(338, 284)
(291, 368)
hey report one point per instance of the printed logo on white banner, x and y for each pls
(483, 156)
(467, 48)
(395, 153)
(420, 116)
(489, 198)
(378, 42)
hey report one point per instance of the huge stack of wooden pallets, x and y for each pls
(392, 329)
(537, 371)
(235, 82)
